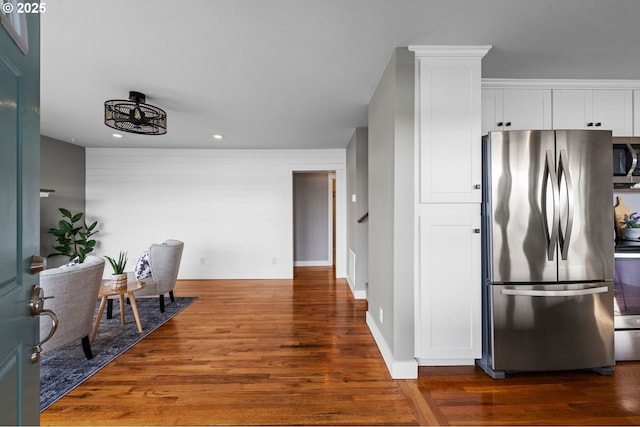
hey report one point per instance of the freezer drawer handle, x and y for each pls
(563, 293)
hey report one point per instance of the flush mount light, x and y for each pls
(135, 116)
(217, 136)
(117, 135)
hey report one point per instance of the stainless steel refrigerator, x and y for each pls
(548, 251)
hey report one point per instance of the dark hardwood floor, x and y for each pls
(298, 352)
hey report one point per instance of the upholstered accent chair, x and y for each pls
(73, 292)
(164, 263)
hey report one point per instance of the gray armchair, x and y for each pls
(75, 291)
(164, 263)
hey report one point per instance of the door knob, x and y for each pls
(38, 264)
(36, 306)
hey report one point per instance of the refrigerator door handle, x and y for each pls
(555, 293)
(565, 238)
(550, 176)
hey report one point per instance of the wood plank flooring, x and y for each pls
(298, 352)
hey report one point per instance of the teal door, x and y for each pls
(19, 222)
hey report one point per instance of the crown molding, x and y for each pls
(446, 51)
(488, 83)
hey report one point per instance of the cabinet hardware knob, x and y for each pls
(598, 124)
(476, 231)
(500, 124)
(590, 124)
(477, 187)
(508, 124)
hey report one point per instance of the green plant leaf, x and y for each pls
(64, 226)
(56, 232)
(72, 239)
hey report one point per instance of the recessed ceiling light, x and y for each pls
(217, 136)
(117, 135)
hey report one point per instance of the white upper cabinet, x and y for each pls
(448, 124)
(515, 109)
(610, 109)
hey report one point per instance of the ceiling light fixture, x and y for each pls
(217, 136)
(117, 135)
(135, 116)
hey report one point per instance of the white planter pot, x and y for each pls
(119, 281)
(630, 233)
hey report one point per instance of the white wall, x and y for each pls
(232, 208)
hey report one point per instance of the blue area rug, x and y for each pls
(64, 369)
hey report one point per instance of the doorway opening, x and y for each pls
(314, 219)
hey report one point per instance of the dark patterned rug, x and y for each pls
(64, 369)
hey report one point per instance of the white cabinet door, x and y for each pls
(527, 109)
(516, 109)
(571, 108)
(492, 110)
(448, 131)
(449, 324)
(609, 109)
(613, 109)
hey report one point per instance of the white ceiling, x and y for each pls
(296, 73)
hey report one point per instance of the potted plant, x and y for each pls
(119, 277)
(73, 235)
(631, 226)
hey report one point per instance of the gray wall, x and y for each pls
(311, 218)
(62, 168)
(358, 233)
(391, 210)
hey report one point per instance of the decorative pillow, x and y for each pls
(143, 269)
(74, 261)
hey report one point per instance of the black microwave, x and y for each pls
(626, 161)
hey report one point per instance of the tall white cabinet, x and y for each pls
(448, 195)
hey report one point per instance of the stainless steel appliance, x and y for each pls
(626, 167)
(548, 251)
(626, 307)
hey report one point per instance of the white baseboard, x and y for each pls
(360, 294)
(312, 263)
(446, 362)
(357, 294)
(399, 370)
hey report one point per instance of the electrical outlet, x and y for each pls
(380, 316)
